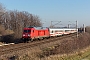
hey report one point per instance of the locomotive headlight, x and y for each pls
(28, 34)
(23, 34)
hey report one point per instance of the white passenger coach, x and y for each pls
(61, 31)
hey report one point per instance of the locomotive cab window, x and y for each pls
(27, 31)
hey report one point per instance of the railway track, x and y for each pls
(21, 46)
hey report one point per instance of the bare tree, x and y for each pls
(2, 12)
(16, 20)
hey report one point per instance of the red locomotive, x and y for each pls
(31, 33)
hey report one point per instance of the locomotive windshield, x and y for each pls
(27, 31)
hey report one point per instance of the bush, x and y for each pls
(88, 29)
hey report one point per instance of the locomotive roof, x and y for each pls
(62, 28)
(38, 28)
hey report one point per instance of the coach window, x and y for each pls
(72, 30)
(60, 30)
(66, 30)
(56, 31)
(52, 31)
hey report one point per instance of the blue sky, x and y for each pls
(54, 10)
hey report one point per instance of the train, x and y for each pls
(31, 33)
